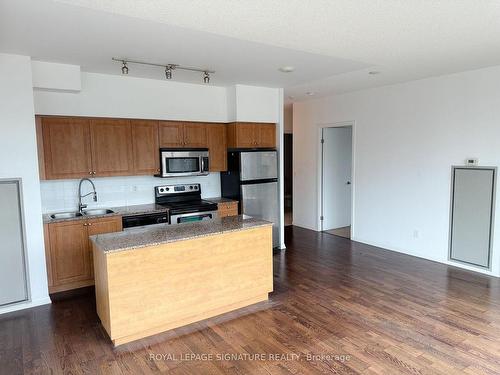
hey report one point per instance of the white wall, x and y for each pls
(107, 95)
(18, 158)
(406, 138)
(62, 195)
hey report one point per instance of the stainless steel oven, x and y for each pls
(192, 217)
(178, 162)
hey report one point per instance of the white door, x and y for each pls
(337, 166)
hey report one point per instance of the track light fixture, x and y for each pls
(168, 72)
(124, 67)
(168, 68)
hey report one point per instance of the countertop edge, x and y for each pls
(94, 238)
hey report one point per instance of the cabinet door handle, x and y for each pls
(90, 172)
(85, 224)
(89, 224)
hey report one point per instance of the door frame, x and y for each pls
(321, 127)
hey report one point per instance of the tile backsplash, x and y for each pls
(62, 195)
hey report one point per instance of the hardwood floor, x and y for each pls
(355, 308)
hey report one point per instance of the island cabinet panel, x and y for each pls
(171, 134)
(217, 147)
(69, 251)
(251, 135)
(141, 292)
(145, 147)
(66, 147)
(111, 147)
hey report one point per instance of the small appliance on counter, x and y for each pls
(181, 162)
(252, 179)
(184, 203)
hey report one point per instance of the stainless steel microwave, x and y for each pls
(178, 162)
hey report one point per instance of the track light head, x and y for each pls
(124, 67)
(168, 72)
(206, 77)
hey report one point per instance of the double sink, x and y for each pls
(70, 215)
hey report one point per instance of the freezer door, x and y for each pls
(259, 165)
(261, 201)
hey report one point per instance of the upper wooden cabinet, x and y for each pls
(195, 135)
(64, 149)
(266, 135)
(217, 147)
(171, 134)
(75, 147)
(111, 147)
(145, 147)
(182, 134)
(251, 135)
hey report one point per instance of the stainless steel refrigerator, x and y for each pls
(252, 179)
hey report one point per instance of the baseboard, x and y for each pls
(417, 255)
(25, 305)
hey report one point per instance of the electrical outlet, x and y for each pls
(416, 234)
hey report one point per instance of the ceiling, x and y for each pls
(332, 44)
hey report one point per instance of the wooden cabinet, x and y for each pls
(65, 148)
(195, 135)
(217, 147)
(266, 135)
(69, 253)
(225, 209)
(251, 135)
(74, 147)
(182, 134)
(145, 147)
(171, 134)
(111, 147)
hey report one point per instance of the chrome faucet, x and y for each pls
(80, 196)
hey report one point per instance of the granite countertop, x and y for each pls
(128, 210)
(159, 234)
(118, 211)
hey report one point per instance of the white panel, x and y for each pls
(12, 269)
(257, 104)
(52, 76)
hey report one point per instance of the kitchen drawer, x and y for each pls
(227, 209)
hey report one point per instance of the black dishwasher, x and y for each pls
(145, 219)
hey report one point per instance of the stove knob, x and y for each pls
(167, 189)
(161, 190)
(191, 187)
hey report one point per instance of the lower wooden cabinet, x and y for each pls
(69, 252)
(227, 209)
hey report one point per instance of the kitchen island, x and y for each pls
(155, 278)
